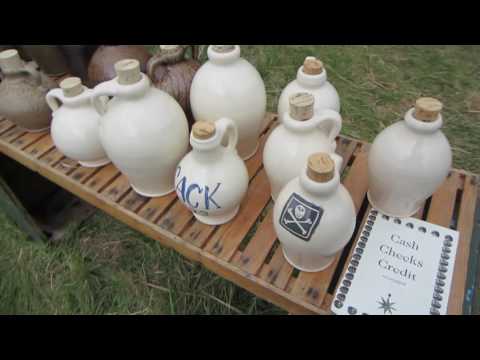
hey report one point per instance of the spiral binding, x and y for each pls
(440, 281)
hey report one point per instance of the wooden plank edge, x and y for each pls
(222, 268)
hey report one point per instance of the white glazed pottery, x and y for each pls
(143, 130)
(212, 179)
(311, 78)
(229, 86)
(409, 161)
(314, 216)
(301, 133)
(75, 126)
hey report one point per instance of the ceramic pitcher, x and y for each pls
(314, 216)
(173, 73)
(409, 161)
(22, 93)
(229, 86)
(302, 131)
(76, 124)
(143, 130)
(311, 78)
(212, 180)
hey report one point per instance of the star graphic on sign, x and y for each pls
(386, 305)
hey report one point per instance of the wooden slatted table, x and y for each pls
(246, 251)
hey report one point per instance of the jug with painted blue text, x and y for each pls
(212, 179)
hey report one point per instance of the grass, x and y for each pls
(103, 267)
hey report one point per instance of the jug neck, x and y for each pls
(82, 99)
(300, 127)
(311, 81)
(422, 127)
(223, 57)
(319, 189)
(133, 91)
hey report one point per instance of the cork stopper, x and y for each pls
(169, 48)
(72, 87)
(204, 130)
(428, 109)
(312, 66)
(223, 48)
(302, 106)
(321, 168)
(128, 71)
(10, 61)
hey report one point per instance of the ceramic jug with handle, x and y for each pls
(409, 161)
(143, 130)
(229, 86)
(314, 216)
(76, 124)
(22, 93)
(311, 78)
(302, 131)
(212, 180)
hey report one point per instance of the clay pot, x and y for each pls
(314, 216)
(171, 72)
(409, 161)
(311, 78)
(229, 86)
(23, 91)
(142, 129)
(102, 63)
(302, 132)
(76, 124)
(49, 58)
(212, 180)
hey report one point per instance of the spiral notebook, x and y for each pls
(398, 267)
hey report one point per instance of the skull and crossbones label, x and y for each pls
(300, 217)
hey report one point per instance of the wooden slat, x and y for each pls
(133, 201)
(83, 174)
(103, 178)
(259, 247)
(117, 189)
(41, 147)
(176, 218)
(156, 207)
(28, 139)
(443, 202)
(278, 271)
(5, 126)
(52, 157)
(465, 227)
(67, 166)
(312, 287)
(12, 134)
(258, 195)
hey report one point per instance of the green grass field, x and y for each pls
(103, 267)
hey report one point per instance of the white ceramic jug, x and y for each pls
(301, 133)
(212, 180)
(314, 216)
(229, 86)
(143, 130)
(409, 161)
(75, 127)
(311, 78)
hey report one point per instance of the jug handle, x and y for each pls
(106, 89)
(227, 126)
(152, 66)
(334, 119)
(54, 99)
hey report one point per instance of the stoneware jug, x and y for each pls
(409, 161)
(302, 132)
(22, 93)
(173, 73)
(311, 78)
(142, 129)
(212, 180)
(76, 124)
(102, 64)
(229, 86)
(314, 216)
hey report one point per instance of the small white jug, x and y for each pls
(229, 86)
(212, 179)
(314, 216)
(311, 78)
(301, 133)
(76, 125)
(143, 130)
(409, 161)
